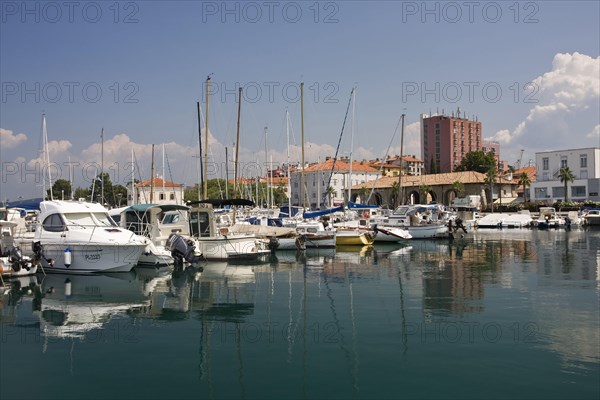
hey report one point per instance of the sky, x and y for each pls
(134, 70)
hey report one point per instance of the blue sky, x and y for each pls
(532, 68)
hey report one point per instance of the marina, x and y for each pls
(507, 313)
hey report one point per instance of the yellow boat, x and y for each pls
(353, 237)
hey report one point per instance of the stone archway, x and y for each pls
(449, 196)
(414, 197)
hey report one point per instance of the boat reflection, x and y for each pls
(73, 305)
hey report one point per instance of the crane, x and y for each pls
(519, 160)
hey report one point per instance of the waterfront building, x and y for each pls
(583, 163)
(155, 191)
(440, 188)
(445, 140)
(318, 175)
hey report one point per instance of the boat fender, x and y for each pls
(67, 260)
(68, 287)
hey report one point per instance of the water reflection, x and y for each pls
(348, 313)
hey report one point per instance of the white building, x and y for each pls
(317, 177)
(155, 191)
(583, 163)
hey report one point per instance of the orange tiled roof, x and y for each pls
(531, 171)
(431, 180)
(340, 166)
(158, 182)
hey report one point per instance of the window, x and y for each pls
(172, 196)
(563, 161)
(583, 161)
(541, 193)
(558, 191)
(161, 196)
(577, 191)
(53, 223)
(545, 163)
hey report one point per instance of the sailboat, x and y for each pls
(221, 244)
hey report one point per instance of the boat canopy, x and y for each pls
(223, 202)
(163, 207)
(357, 205)
(314, 214)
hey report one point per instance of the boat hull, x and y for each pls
(353, 238)
(231, 248)
(428, 231)
(388, 235)
(90, 257)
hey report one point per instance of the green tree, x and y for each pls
(394, 195)
(490, 179)
(458, 187)
(61, 189)
(363, 192)
(96, 188)
(119, 197)
(424, 190)
(524, 181)
(478, 161)
(566, 175)
(81, 193)
(330, 191)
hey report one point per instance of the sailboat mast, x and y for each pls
(351, 143)
(201, 183)
(237, 142)
(133, 196)
(206, 138)
(163, 172)
(267, 167)
(287, 128)
(400, 196)
(152, 178)
(226, 174)
(302, 177)
(237, 149)
(102, 166)
(47, 154)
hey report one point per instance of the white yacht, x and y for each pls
(78, 236)
(421, 221)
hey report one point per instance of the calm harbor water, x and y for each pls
(496, 314)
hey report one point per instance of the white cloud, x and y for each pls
(566, 94)
(595, 134)
(8, 140)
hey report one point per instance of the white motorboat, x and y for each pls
(156, 222)
(592, 217)
(12, 261)
(221, 244)
(548, 218)
(505, 220)
(78, 236)
(390, 234)
(421, 221)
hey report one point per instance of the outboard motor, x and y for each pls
(182, 249)
(273, 244)
(38, 252)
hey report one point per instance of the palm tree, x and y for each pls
(458, 187)
(490, 179)
(424, 189)
(394, 193)
(330, 191)
(363, 192)
(566, 175)
(524, 181)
